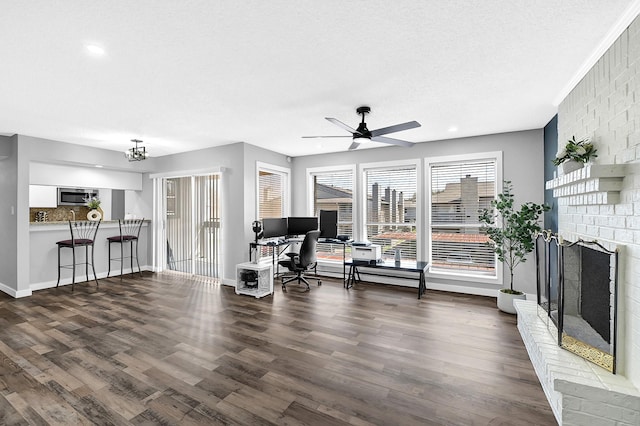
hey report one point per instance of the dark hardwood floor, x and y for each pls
(166, 349)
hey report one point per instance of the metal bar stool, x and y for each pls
(83, 234)
(129, 233)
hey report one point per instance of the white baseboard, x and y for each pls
(13, 293)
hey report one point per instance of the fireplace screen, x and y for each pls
(588, 302)
(548, 279)
(577, 285)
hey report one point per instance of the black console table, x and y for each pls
(389, 267)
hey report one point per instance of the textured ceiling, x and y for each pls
(185, 75)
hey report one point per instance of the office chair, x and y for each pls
(302, 261)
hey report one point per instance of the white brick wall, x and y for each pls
(579, 392)
(605, 106)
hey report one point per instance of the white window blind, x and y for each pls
(271, 195)
(458, 191)
(391, 207)
(333, 190)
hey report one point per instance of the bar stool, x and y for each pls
(83, 234)
(129, 233)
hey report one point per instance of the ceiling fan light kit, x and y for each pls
(363, 135)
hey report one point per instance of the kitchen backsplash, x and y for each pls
(59, 214)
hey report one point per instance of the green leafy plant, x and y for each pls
(511, 231)
(92, 202)
(580, 151)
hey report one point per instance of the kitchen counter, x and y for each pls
(43, 256)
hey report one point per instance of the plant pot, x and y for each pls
(94, 215)
(505, 301)
(570, 166)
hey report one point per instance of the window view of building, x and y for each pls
(391, 210)
(333, 190)
(458, 192)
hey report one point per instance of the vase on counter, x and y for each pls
(95, 215)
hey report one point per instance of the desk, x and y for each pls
(275, 248)
(419, 267)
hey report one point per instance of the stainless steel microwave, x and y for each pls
(75, 196)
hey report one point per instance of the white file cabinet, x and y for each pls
(254, 279)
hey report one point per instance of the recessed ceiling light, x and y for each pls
(99, 166)
(94, 49)
(453, 129)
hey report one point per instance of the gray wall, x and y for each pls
(8, 218)
(522, 164)
(239, 191)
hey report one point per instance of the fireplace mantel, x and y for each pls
(578, 391)
(594, 184)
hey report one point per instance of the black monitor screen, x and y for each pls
(302, 225)
(274, 227)
(328, 223)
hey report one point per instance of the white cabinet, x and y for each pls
(254, 279)
(43, 196)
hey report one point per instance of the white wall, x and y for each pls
(522, 164)
(78, 176)
(605, 106)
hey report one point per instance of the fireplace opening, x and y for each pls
(577, 284)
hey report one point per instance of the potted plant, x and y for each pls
(95, 212)
(575, 154)
(511, 236)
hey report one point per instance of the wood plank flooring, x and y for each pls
(170, 350)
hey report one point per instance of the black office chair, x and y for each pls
(302, 261)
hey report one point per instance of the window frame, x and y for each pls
(285, 172)
(363, 168)
(311, 172)
(429, 162)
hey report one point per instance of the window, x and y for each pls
(273, 190)
(332, 189)
(459, 188)
(272, 195)
(391, 209)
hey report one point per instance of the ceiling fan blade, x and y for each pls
(354, 145)
(392, 141)
(341, 124)
(341, 136)
(397, 128)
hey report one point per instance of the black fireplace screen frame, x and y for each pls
(577, 323)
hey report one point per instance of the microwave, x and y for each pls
(75, 196)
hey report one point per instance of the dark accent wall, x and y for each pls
(550, 150)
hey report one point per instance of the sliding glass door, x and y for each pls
(192, 217)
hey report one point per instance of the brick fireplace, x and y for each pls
(602, 203)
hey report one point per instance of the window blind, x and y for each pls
(333, 190)
(458, 191)
(270, 194)
(391, 210)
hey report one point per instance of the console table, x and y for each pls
(390, 267)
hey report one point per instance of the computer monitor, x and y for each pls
(302, 225)
(274, 227)
(328, 223)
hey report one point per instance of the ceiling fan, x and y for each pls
(362, 134)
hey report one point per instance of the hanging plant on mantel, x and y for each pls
(575, 154)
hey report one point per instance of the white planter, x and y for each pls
(505, 301)
(570, 166)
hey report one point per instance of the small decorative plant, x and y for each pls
(511, 238)
(580, 151)
(92, 202)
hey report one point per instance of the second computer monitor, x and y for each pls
(329, 223)
(301, 225)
